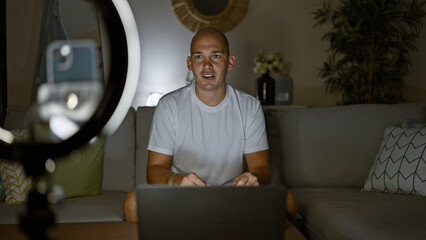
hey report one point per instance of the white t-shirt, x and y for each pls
(209, 141)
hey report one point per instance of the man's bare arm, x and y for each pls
(258, 165)
(158, 168)
(158, 172)
(259, 170)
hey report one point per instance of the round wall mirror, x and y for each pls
(210, 8)
(224, 15)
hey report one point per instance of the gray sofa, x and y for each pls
(324, 155)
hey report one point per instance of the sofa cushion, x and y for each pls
(119, 156)
(10, 213)
(332, 146)
(348, 213)
(400, 165)
(274, 141)
(104, 207)
(143, 128)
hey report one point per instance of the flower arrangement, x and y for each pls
(265, 63)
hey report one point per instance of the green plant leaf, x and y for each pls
(370, 42)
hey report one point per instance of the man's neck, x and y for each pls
(211, 98)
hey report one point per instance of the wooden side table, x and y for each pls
(105, 231)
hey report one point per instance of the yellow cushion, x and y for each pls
(16, 183)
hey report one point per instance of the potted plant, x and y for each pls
(370, 45)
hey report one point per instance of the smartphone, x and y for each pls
(72, 61)
(73, 88)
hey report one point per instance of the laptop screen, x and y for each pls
(171, 212)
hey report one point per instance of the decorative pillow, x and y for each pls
(16, 183)
(2, 194)
(400, 165)
(78, 173)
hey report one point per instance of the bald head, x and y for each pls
(213, 32)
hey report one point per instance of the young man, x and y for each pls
(202, 133)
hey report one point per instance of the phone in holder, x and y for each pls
(74, 61)
(73, 88)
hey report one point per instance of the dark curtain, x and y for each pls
(3, 63)
(52, 29)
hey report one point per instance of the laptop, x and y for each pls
(204, 213)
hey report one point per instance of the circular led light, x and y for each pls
(65, 50)
(50, 165)
(72, 101)
(133, 66)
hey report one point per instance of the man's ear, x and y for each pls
(231, 61)
(188, 63)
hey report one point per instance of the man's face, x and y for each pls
(209, 61)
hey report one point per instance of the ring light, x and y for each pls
(117, 97)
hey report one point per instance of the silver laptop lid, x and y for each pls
(166, 212)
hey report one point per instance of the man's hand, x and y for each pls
(190, 179)
(246, 179)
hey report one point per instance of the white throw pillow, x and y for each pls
(400, 165)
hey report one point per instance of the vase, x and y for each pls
(283, 90)
(265, 89)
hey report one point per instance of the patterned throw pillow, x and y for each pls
(16, 183)
(400, 165)
(2, 194)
